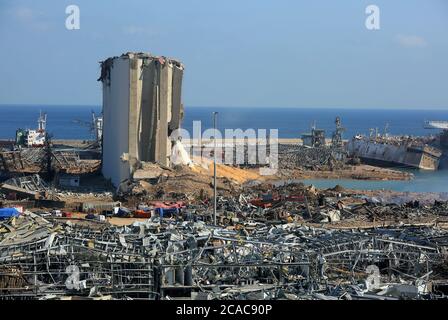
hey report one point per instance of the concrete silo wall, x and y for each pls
(141, 107)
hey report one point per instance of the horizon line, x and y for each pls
(246, 107)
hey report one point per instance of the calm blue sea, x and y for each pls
(62, 120)
(63, 123)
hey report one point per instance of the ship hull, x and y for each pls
(394, 155)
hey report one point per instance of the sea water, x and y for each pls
(72, 122)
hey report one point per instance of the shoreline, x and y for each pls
(354, 172)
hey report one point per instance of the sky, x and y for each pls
(256, 53)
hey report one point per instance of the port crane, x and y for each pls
(95, 126)
(336, 139)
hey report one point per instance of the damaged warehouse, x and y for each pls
(291, 242)
(160, 259)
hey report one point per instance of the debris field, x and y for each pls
(279, 243)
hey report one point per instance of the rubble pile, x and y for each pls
(71, 163)
(35, 160)
(29, 160)
(164, 258)
(296, 202)
(270, 241)
(315, 158)
(32, 186)
(182, 183)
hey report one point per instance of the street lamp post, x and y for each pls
(215, 118)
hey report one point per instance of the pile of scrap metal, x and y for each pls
(35, 160)
(30, 160)
(162, 259)
(32, 187)
(70, 163)
(295, 202)
(310, 158)
(371, 211)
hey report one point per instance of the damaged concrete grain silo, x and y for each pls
(141, 107)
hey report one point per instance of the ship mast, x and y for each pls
(42, 122)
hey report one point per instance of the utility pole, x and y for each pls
(215, 116)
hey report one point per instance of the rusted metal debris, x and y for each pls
(312, 158)
(32, 187)
(35, 160)
(163, 258)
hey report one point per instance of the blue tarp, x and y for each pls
(170, 211)
(6, 213)
(123, 212)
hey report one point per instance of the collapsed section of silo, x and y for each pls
(141, 107)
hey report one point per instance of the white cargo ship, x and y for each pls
(33, 138)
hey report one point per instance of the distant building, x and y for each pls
(314, 139)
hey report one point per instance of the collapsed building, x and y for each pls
(141, 108)
(42, 259)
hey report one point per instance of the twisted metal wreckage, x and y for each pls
(39, 160)
(163, 259)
